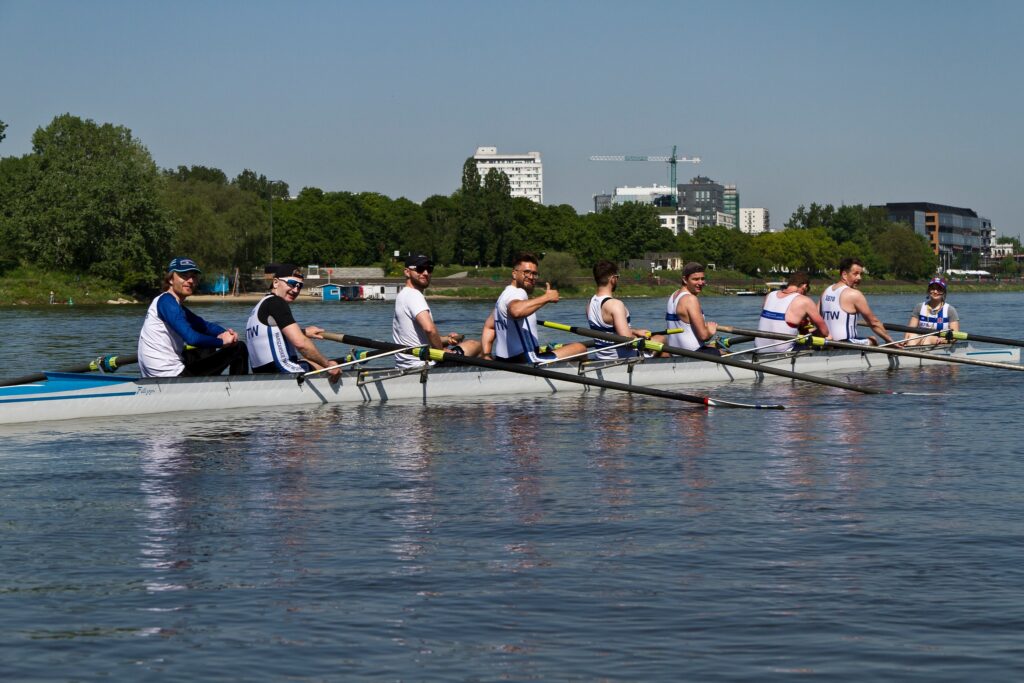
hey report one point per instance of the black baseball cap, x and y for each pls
(418, 261)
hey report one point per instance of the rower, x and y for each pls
(608, 314)
(413, 324)
(786, 310)
(515, 317)
(933, 314)
(842, 302)
(170, 327)
(684, 311)
(275, 339)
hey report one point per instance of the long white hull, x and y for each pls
(65, 396)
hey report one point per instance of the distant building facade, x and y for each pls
(525, 171)
(754, 221)
(958, 236)
(677, 222)
(731, 203)
(653, 261)
(658, 195)
(703, 199)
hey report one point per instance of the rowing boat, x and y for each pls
(66, 396)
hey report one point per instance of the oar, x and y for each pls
(724, 342)
(953, 335)
(721, 360)
(867, 348)
(105, 363)
(439, 355)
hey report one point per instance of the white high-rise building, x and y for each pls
(755, 221)
(525, 171)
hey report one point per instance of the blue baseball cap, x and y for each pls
(182, 265)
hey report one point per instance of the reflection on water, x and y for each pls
(596, 536)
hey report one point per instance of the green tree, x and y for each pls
(442, 215)
(3, 129)
(497, 199)
(248, 181)
(16, 174)
(471, 247)
(218, 224)
(558, 268)
(94, 203)
(904, 253)
(198, 174)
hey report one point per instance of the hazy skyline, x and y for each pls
(794, 102)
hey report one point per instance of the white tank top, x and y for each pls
(267, 344)
(773, 319)
(160, 348)
(596, 321)
(842, 326)
(685, 339)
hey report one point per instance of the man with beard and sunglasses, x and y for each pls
(413, 323)
(275, 340)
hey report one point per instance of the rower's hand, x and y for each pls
(712, 328)
(229, 337)
(550, 294)
(455, 338)
(643, 334)
(314, 332)
(334, 374)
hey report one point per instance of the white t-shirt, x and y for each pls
(514, 336)
(409, 303)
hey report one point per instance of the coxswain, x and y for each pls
(934, 314)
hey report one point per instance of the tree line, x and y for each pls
(90, 198)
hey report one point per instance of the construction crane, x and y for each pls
(672, 161)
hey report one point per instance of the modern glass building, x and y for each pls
(958, 236)
(703, 199)
(731, 203)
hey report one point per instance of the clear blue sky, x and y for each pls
(793, 101)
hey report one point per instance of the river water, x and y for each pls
(596, 537)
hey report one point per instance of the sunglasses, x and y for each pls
(429, 268)
(190, 275)
(292, 284)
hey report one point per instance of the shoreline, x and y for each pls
(625, 292)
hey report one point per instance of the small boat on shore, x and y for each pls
(68, 396)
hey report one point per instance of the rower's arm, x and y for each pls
(487, 335)
(690, 312)
(524, 308)
(860, 304)
(426, 323)
(914, 322)
(297, 338)
(616, 310)
(810, 310)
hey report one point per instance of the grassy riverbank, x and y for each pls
(29, 286)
